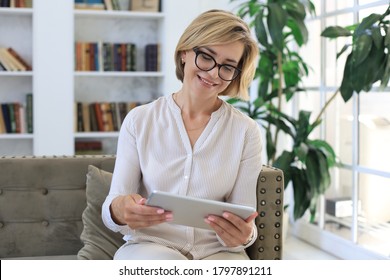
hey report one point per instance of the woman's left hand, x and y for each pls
(232, 229)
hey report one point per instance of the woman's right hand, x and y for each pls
(131, 210)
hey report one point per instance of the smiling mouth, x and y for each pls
(206, 81)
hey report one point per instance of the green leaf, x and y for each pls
(276, 20)
(346, 89)
(299, 30)
(271, 149)
(301, 152)
(260, 30)
(366, 23)
(377, 37)
(296, 9)
(301, 193)
(335, 31)
(326, 149)
(324, 175)
(386, 75)
(361, 49)
(346, 47)
(284, 162)
(291, 73)
(387, 37)
(368, 72)
(313, 171)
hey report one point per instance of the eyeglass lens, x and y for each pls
(206, 62)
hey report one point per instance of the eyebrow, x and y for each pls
(214, 53)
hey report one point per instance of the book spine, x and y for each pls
(29, 113)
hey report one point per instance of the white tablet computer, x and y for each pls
(191, 211)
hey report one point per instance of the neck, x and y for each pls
(194, 107)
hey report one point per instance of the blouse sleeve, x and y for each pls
(127, 173)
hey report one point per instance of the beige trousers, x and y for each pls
(153, 251)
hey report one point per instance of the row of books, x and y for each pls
(101, 116)
(17, 117)
(118, 5)
(88, 147)
(10, 60)
(91, 56)
(16, 3)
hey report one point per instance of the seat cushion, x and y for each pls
(100, 243)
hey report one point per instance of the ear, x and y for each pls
(183, 57)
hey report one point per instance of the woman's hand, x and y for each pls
(232, 229)
(131, 210)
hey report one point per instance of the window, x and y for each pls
(359, 131)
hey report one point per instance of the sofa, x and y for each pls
(50, 208)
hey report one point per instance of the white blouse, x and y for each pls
(155, 153)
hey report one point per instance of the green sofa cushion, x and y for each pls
(100, 243)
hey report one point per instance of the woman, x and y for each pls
(191, 143)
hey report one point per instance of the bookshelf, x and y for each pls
(15, 85)
(45, 36)
(116, 27)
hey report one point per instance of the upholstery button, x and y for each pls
(1, 224)
(277, 236)
(279, 178)
(44, 191)
(262, 225)
(262, 179)
(261, 237)
(277, 213)
(277, 248)
(278, 201)
(263, 191)
(262, 214)
(261, 249)
(262, 203)
(45, 223)
(278, 190)
(277, 224)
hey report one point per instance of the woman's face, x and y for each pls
(209, 83)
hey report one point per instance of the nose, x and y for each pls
(214, 72)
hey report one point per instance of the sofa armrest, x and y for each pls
(270, 189)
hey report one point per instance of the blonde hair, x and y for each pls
(215, 27)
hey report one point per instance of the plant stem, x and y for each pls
(280, 93)
(326, 105)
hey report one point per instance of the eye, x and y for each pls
(227, 68)
(205, 56)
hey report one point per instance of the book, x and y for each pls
(2, 123)
(29, 113)
(145, 5)
(12, 61)
(152, 57)
(108, 5)
(26, 66)
(89, 4)
(6, 117)
(5, 60)
(88, 147)
(86, 117)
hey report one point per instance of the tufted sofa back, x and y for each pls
(42, 200)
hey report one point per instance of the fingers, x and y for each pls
(137, 215)
(233, 230)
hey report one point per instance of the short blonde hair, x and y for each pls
(215, 27)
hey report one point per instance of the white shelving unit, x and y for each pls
(45, 37)
(139, 28)
(16, 32)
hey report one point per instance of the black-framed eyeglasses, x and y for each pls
(206, 62)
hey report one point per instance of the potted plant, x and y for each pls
(280, 30)
(369, 59)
